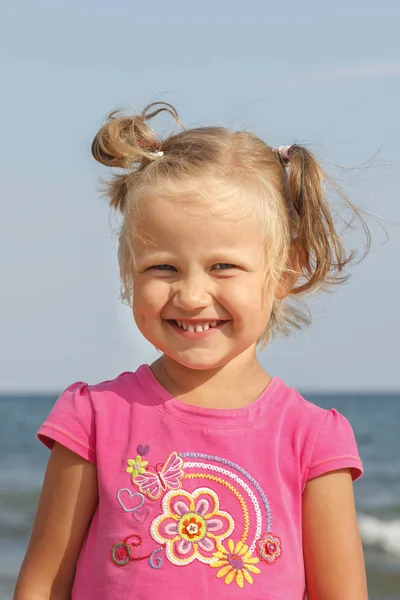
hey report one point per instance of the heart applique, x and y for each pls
(143, 450)
(130, 502)
(141, 515)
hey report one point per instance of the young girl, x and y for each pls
(202, 475)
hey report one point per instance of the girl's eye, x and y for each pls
(217, 267)
(224, 266)
(163, 267)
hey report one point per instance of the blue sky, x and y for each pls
(326, 76)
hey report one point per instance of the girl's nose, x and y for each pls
(191, 294)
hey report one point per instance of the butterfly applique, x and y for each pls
(155, 480)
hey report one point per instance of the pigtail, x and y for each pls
(127, 142)
(321, 253)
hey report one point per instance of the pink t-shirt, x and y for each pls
(196, 502)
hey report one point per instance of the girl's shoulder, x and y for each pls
(325, 437)
(82, 409)
(295, 408)
(122, 387)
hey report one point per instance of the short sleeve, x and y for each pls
(71, 423)
(334, 448)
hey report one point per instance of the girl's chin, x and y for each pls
(193, 360)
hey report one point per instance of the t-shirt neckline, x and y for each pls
(219, 418)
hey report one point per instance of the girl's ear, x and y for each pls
(290, 275)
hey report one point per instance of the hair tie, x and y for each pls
(157, 153)
(283, 152)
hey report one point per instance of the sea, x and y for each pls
(376, 422)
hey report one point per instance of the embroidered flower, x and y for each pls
(137, 466)
(236, 563)
(269, 548)
(191, 525)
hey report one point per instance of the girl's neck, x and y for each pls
(233, 385)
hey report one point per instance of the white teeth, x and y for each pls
(191, 327)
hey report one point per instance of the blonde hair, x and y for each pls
(290, 197)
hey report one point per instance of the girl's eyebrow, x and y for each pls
(223, 253)
(155, 257)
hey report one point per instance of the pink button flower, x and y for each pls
(191, 525)
(269, 548)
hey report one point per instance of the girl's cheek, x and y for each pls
(152, 296)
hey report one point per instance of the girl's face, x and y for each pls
(202, 266)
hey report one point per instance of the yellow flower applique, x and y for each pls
(235, 564)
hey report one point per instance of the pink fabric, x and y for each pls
(196, 502)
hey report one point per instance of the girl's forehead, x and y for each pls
(193, 206)
(164, 222)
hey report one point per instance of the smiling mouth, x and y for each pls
(199, 326)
